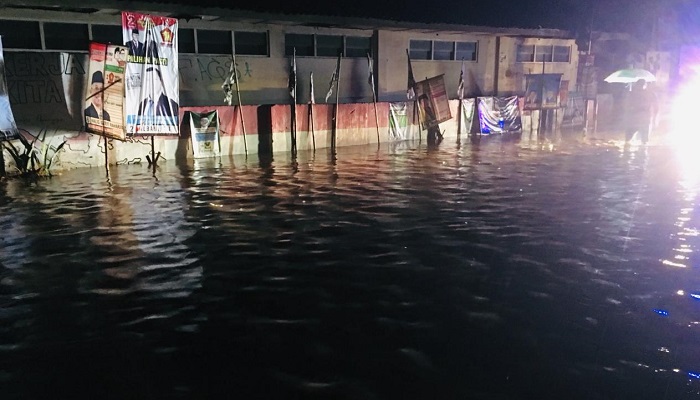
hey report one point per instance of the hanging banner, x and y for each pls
(398, 121)
(152, 82)
(467, 114)
(8, 127)
(542, 91)
(574, 111)
(104, 97)
(499, 115)
(205, 134)
(433, 105)
(587, 77)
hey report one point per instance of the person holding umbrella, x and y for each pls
(640, 108)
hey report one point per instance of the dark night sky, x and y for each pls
(633, 16)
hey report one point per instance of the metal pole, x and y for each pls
(240, 106)
(374, 99)
(335, 112)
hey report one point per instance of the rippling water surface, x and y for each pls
(496, 270)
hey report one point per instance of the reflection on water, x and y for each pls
(492, 270)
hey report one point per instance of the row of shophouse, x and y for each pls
(45, 51)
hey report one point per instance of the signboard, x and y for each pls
(104, 97)
(152, 82)
(205, 134)
(433, 105)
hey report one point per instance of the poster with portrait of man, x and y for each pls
(433, 105)
(151, 76)
(541, 91)
(205, 134)
(8, 127)
(104, 96)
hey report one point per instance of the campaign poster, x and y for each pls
(205, 134)
(152, 82)
(542, 91)
(104, 96)
(433, 105)
(398, 120)
(8, 127)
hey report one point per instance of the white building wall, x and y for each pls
(393, 64)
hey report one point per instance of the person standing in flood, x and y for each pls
(640, 111)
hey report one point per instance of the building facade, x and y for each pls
(46, 60)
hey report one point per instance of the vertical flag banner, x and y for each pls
(8, 127)
(292, 82)
(411, 85)
(312, 98)
(104, 97)
(370, 70)
(433, 105)
(152, 82)
(334, 79)
(460, 84)
(205, 134)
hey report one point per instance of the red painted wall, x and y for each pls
(350, 116)
(229, 119)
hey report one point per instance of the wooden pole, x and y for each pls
(104, 135)
(106, 156)
(153, 152)
(240, 106)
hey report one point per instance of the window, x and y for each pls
(251, 43)
(356, 46)
(525, 53)
(420, 49)
(530, 53)
(329, 46)
(107, 34)
(562, 54)
(60, 36)
(466, 51)
(443, 50)
(304, 44)
(185, 40)
(214, 42)
(20, 34)
(543, 53)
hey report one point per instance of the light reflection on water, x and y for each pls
(489, 271)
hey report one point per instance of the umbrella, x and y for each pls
(630, 76)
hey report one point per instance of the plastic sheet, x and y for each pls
(499, 115)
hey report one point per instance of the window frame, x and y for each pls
(537, 55)
(315, 52)
(420, 53)
(262, 33)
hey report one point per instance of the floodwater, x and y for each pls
(491, 270)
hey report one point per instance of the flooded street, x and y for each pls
(491, 270)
